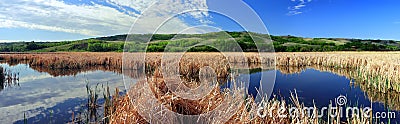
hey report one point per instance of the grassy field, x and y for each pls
(374, 71)
(158, 43)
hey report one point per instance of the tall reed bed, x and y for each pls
(189, 64)
(70, 60)
(379, 69)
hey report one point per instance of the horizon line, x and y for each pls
(66, 40)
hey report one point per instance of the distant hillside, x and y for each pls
(222, 39)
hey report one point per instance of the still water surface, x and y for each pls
(322, 88)
(43, 97)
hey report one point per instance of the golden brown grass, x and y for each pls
(70, 60)
(380, 69)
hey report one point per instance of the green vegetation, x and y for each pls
(90, 45)
(298, 44)
(210, 42)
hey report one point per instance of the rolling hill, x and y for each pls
(176, 43)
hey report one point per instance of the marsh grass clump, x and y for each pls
(2, 78)
(8, 78)
(92, 105)
(131, 107)
(96, 109)
(127, 112)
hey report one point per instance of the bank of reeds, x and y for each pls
(189, 65)
(70, 60)
(379, 70)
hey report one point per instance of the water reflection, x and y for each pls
(321, 88)
(44, 98)
(55, 72)
(390, 98)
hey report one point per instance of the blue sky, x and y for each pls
(53, 20)
(376, 19)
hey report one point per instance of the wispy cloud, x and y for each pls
(297, 9)
(396, 22)
(94, 19)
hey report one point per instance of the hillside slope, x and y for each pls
(222, 40)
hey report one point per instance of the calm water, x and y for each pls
(322, 88)
(44, 98)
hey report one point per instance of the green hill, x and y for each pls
(222, 40)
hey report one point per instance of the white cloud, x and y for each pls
(299, 6)
(7, 41)
(294, 10)
(169, 9)
(57, 16)
(21, 24)
(92, 20)
(139, 5)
